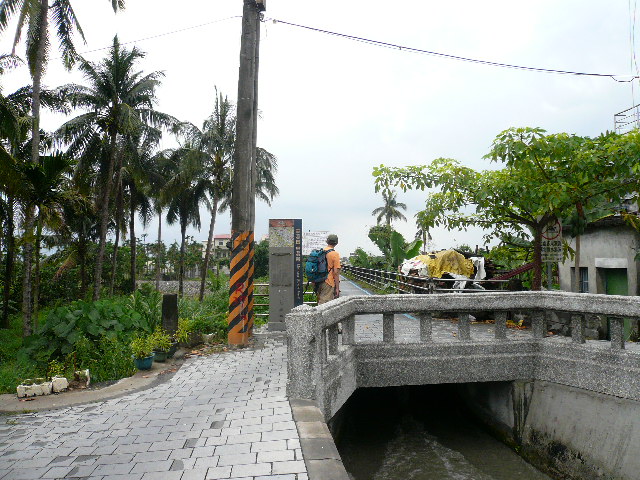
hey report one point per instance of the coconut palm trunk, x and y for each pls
(159, 250)
(132, 241)
(114, 258)
(116, 243)
(29, 218)
(82, 258)
(9, 263)
(207, 253)
(104, 217)
(183, 235)
(36, 279)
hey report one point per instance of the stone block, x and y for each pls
(59, 384)
(31, 388)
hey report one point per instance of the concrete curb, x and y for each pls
(10, 404)
(320, 454)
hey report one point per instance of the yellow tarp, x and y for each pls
(447, 261)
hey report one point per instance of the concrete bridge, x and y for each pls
(391, 340)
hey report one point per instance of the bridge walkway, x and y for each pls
(368, 328)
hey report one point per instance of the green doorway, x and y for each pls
(616, 283)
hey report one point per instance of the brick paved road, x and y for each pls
(223, 416)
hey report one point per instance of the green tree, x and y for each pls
(119, 101)
(380, 235)
(35, 16)
(261, 258)
(391, 209)
(544, 177)
(186, 189)
(214, 145)
(15, 190)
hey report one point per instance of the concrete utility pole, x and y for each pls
(244, 179)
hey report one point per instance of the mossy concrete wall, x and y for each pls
(568, 432)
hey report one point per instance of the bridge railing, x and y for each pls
(401, 283)
(314, 341)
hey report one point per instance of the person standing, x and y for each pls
(330, 287)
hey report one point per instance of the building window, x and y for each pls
(584, 280)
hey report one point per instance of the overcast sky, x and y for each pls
(332, 109)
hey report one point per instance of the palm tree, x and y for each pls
(119, 101)
(15, 162)
(185, 190)
(162, 167)
(390, 210)
(11, 134)
(35, 15)
(266, 188)
(139, 177)
(215, 142)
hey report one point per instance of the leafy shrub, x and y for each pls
(208, 316)
(107, 359)
(64, 326)
(184, 330)
(147, 301)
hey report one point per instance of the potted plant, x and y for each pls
(142, 349)
(161, 341)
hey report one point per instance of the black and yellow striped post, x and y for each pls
(244, 179)
(240, 288)
(251, 315)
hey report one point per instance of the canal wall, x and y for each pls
(566, 431)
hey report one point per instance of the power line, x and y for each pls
(166, 33)
(379, 43)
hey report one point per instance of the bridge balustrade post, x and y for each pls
(349, 330)
(501, 326)
(464, 327)
(387, 327)
(577, 328)
(332, 339)
(322, 350)
(302, 352)
(425, 326)
(538, 324)
(617, 333)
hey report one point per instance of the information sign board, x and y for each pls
(313, 241)
(552, 242)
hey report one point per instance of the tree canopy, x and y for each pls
(543, 177)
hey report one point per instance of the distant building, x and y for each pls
(608, 264)
(219, 249)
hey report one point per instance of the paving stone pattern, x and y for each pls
(222, 416)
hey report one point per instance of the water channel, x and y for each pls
(421, 433)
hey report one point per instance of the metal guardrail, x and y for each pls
(261, 290)
(400, 283)
(627, 120)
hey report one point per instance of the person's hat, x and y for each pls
(332, 239)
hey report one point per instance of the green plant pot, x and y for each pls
(143, 363)
(172, 350)
(160, 356)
